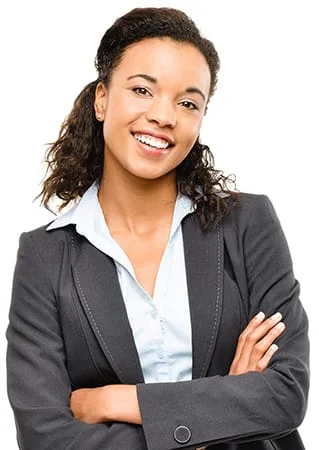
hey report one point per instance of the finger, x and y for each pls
(270, 337)
(247, 355)
(259, 332)
(254, 322)
(264, 361)
(263, 345)
(255, 331)
(251, 352)
(252, 325)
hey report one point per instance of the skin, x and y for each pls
(138, 190)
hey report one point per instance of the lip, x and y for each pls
(151, 151)
(165, 137)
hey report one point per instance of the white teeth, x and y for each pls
(154, 142)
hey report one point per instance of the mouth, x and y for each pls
(153, 142)
(151, 146)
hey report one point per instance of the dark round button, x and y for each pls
(182, 434)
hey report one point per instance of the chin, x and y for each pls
(151, 174)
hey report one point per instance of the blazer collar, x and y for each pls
(204, 270)
(99, 291)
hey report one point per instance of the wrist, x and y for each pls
(105, 406)
(121, 404)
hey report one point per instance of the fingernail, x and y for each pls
(276, 316)
(273, 348)
(260, 315)
(280, 326)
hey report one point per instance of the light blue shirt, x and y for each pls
(161, 325)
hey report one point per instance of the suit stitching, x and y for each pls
(217, 299)
(92, 317)
(85, 336)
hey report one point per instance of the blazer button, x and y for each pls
(182, 434)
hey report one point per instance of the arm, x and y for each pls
(38, 383)
(119, 403)
(254, 405)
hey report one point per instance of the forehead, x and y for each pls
(168, 61)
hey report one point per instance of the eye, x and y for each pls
(141, 91)
(189, 105)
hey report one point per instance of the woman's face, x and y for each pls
(153, 108)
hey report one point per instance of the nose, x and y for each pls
(162, 113)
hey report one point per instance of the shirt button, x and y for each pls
(160, 355)
(182, 434)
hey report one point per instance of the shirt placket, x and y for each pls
(161, 292)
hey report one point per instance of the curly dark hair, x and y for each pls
(76, 159)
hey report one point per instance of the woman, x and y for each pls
(146, 316)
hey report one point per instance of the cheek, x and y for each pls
(187, 140)
(107, 134)
(125, 108)
(190, 135)
(114, 122)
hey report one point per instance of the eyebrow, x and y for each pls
(189, 90)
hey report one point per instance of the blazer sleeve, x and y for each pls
(251, 406)
(37, 379)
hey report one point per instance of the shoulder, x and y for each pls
(253, 229)
(46, 243)
(43, 256)
(252, 212)
(250, 202)
(253, 207)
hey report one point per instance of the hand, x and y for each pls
(255, 345)
(89, 405)
(111, 403)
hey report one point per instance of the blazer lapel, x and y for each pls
(204, 269)
(100, 293)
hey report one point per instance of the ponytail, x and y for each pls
(76, 159)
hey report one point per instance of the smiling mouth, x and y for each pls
(152, 142)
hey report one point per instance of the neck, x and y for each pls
(135, 204)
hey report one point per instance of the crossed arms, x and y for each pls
(260, 398)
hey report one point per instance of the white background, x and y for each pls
(262, 123)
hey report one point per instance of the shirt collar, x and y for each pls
(88, 217)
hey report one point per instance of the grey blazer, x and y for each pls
(69, 329)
